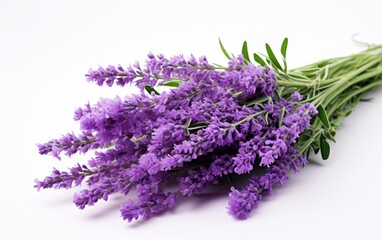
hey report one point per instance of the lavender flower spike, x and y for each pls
(69, 144)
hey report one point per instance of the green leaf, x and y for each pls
(310, 70)
(283, 50)
(199, 124)
(315, 149)
(272, 56)
(244, 51)
(150, 89)
(284, 47)
(187, 124)
(325, 148)
(223, 49)
(277, 96)
(289, 90)
(138, 139)
(259, 60)
(332, 132)
(285, 66)
(305, 137)
(328, 135)
(365, 99)
(266, 118)
(281, 117)
(323, 116)
(347, 113)
(257, 101)
(195, 128)
(173, 83)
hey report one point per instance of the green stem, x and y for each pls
(245, 119)
(344, 83)
(356, 93)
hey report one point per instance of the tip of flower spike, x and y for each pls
(79, 201)
(38, 185)
(296, 96)
(241, 203)
(43, 149)
(130, 211)
(236, 206)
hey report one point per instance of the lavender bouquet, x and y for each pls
(256, 119)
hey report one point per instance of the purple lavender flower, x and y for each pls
(151, 200)
(150, 163)
(279, 139)
(164, 137)
(132, 211)
(296, 96)
(157, 68)
(70, 144)
(62, 179)
(217, 123)
(247, 153)
(101, 190)
(221, 165)
(241, 203)
(203, 142)
(196, 181)
(105, 181)
(111, 74)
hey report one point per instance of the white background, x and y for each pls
(46, 47)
